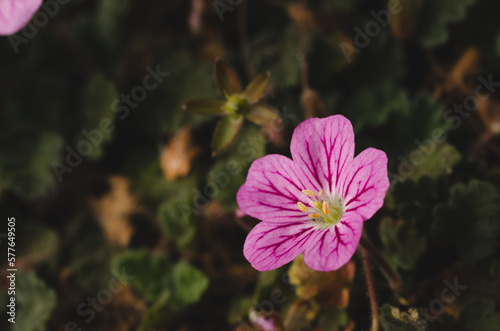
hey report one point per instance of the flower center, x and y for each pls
(325, 210)
(236, 103)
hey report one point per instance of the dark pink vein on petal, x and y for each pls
(304, 234)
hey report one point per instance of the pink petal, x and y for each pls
(269, 246)
(272, 190)
(15, 14)
(364, 186)
(322, 149)
(329, 249)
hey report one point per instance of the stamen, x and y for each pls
(325, 208)
(314, 215)
(321, 193)
(317, 204)
(309, 193)
(302, 207)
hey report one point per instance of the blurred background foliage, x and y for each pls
(143, 231)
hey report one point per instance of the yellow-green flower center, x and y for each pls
(326, 210)
(236, 103)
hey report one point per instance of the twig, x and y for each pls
(291, 312)
(391, 275)
(371, 288)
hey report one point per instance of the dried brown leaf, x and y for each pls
(489, 112)
(176, 158)
(327, 288)
(113, 211)
(302, 15)
(313, 104)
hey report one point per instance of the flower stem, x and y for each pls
(392, 276)
(371, 288)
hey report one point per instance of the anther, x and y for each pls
(314, 215)
(309, 193)
(325, 208)
(302, 207)
(318, 205)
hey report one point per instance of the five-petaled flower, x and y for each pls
(316, 202)
(15, 14)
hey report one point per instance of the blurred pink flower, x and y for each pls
(15, 14)
(239, 214)
(315, 203)
(264, 323)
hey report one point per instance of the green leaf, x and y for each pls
(391, 65)
(166, 101)
(392, 319)
(256, 88)
(43, 243)
(226, 78)
(265, 283)
(35, 303)
(435, 16)
(89, 255)
(407, 131)
(439, 159)
(154, 315)
(262, 114)
(427, 113)
(99, 97)
(280, 58)
(403, 246)
(205, 106)
(480, 315)
(150, 273)
(177, 219)
(226, 132)
(26, 161)
(371, 106)
(229, 172)
(469, 220)
(109, 19)
(189, 284)
(333, 320)
(415, 201)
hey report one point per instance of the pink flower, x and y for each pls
(316, 203)
(15, 14)
(264, 323)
